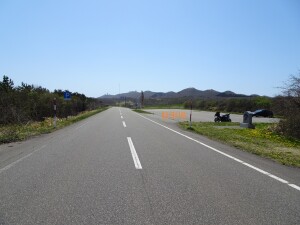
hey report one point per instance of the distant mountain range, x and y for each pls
(185, 93)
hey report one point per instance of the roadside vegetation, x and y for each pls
(278, 141)
(18, 132)
(20, 104)
(286, 106)
(27, 110)
(289, 105)
(263, 140)
(165, 106)
(141, 111)
(232, 105)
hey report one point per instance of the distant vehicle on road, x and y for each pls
(263, 113)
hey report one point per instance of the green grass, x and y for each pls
(261, 141)
(11, 133)
(141, 111)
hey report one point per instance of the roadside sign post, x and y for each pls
(67, 95)
(191, 114)
(142, 99)
(54, 107)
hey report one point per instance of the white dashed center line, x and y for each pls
(135, 157)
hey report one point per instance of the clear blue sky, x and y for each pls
(92, 47)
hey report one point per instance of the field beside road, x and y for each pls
(260, 141)
(11, 133)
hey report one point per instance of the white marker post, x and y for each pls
(54, 107)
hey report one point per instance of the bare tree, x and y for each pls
(292, 89)
(290, 125)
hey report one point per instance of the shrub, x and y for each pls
(290, 125)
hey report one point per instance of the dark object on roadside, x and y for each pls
(223, 118)
(247, 120)
(263, 113)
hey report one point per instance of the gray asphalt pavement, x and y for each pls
(120, 167)
(201, 116)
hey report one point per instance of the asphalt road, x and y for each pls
(201, 116)
(120, 167)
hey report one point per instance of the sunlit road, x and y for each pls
(120, 167)
(204, 116)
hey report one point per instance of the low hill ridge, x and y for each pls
(185, 93)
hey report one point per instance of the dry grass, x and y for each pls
(261, 141)
(11, 133)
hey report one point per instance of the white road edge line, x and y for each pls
(21, 159)
(294, 186)
(81, 126)
(135, 157)
(124, 124)
(227, 155)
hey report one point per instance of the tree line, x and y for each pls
(238, 105)
(289, 105)
(24, 103)
(286, 105)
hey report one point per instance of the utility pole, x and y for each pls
(119, 96)
(54, 107)
(191, 105)
(142, 99)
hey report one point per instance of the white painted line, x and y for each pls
(227, 155)
(121, 117)
(81, 126)
(19, 160)
(124, 124)
(294, 186)
(278, 178)
(257, 169)
(135, 157)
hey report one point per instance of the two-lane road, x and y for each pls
(120, 167)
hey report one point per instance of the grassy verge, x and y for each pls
(141, 111)
(260, 141)
(11, 133)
